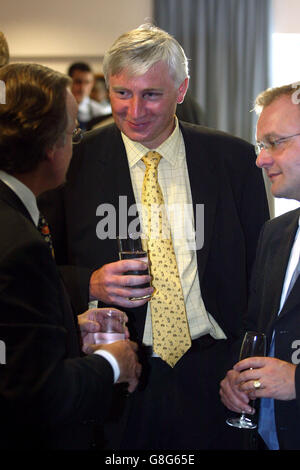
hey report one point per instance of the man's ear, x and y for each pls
(50, 154)
(182, 90)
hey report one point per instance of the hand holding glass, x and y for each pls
(133, 247)
(254, 344)
(112, 327)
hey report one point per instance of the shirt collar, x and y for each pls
(24, 193)
(172, 149)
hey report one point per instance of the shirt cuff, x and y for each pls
(112, 360)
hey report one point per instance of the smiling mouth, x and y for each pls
(137, 125)
(271, 176)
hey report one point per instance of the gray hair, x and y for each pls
(138, 50)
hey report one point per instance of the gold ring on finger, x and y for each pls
(257, 384)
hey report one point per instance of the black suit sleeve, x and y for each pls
(43, 382)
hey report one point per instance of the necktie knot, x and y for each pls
(151, 160)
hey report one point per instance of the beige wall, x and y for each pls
(286, 16)
(57, 32)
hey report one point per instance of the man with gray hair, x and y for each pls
(275, 300)
(199, 292)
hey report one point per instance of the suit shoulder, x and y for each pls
(283, 220)
(278, 227)
(18, 233)
(98, 144)
(213, 137)
(222, 150)
(101, 133)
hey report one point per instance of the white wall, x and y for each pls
(57, 32)
(286, 16)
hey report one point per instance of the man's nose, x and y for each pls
(136, 107)
(264, 159)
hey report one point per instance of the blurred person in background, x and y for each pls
(82, 84)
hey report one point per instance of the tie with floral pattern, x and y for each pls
(44, 230)
(171, 336)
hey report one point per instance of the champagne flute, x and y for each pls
(254, 344)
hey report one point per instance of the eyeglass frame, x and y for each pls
(271, 146)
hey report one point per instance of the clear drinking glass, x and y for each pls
(134, 247)
(254, 344)
(112, 327)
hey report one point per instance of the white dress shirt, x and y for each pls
(89, 109)
(175, 185)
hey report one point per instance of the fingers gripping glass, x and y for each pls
(272, 145)
(254, 344)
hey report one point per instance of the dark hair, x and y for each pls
(34, 116)
(82, 66)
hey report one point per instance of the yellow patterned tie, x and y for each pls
(171, 336)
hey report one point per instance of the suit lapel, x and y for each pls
(279, 254)
(293, 299)
(114, 170)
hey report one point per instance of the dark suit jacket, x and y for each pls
(223, 177)
(273, 254)
(49, 395)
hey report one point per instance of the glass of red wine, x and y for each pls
(134, 247)
(254, 344)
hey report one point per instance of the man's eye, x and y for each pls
(276, 143)
(152, 95)
(121, 93)
(273, 144)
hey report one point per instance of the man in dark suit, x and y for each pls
(51, 394)
(274, 300)
(176, 407)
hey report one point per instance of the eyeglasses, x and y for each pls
(272, 146)
(77, 135)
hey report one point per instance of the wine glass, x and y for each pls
(254, 344)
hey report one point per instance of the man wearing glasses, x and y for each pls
(275, 300)
(51, 395)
